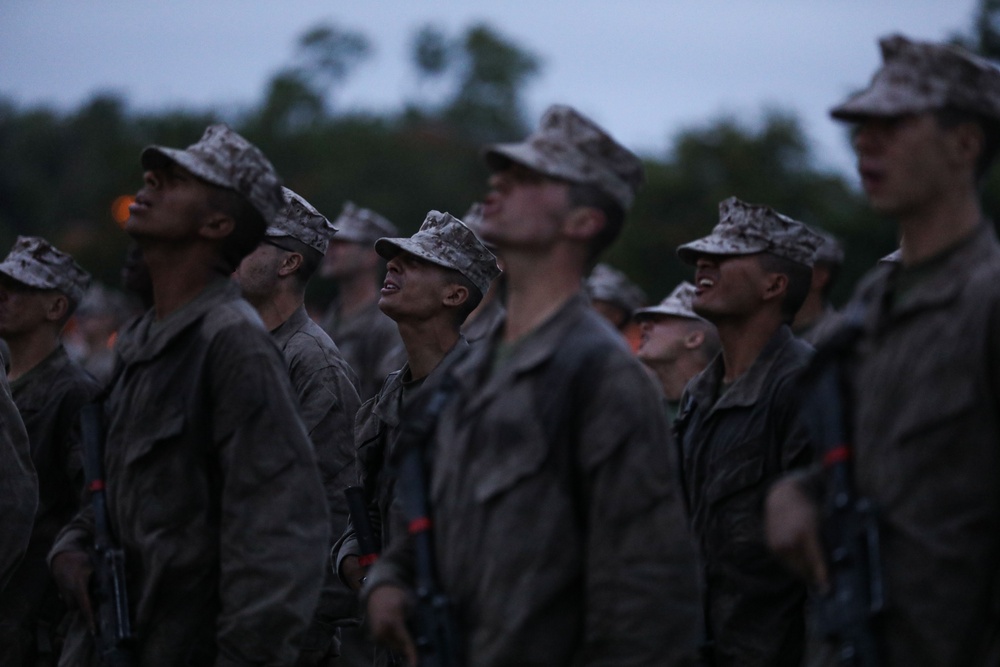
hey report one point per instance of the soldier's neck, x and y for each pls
(538, 286)
(28, 351)
(744, 339)
(427, 343)
(940, 224)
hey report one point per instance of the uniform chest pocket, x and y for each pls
(931, 410)
(515, 450)
(735, 469)
(143, 437)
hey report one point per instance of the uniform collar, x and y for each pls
(284, 331)
(146, 338)
(750, 387)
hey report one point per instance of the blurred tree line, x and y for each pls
(62, 171)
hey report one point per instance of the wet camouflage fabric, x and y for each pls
(745, 229)
(926, 381)
(924, 76)
(732, 449)
(369, 341)
(568, 550)
(213, 490)
(570, 146)
(607, 284)
(36, 263)
(224, 158)
(362, 225)
(18, 485)
(830, 250)
(300, 220)
(326, 391)
(676, 304)
(49, 398)
(445, 240)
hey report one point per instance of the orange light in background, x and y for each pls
(119, 209)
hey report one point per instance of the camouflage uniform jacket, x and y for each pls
(326, 389)
(49, 398)
(732, 448)
(213, 490)
(559, 550)
(375, 434)
(370, 343)
(927, 452)
(18, 485)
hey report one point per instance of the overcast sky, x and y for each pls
(642, 68)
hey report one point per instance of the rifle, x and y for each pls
(846, 613)
(436, 632)
(115, 642)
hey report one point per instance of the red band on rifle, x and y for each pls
(420, 525)
(96, 485)
(838, 454)
(367, 559)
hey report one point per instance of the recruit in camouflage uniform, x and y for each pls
(445, 245)
(212, 485)
(817, 317)
(366, 337)
(676, 343)
(558, 531)
(40, 288)
(273, 278)
(486, 318)
(738, 431)
(925, 376)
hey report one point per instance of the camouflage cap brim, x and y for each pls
(36, 263)
(714, 245)
(14, 270)
(666, 311)
(154, 157)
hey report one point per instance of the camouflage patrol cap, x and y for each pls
(35, 262)
(362, 225)
(224, 158)
(301, 221)
(830, 251)
(570, 146)
(745, 229)
(607, 284)
(677, 304)
(923, 76)
(446, 241)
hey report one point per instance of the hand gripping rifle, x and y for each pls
(115, 642)
(436, 633)
(844, 615)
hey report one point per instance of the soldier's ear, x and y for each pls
(291, 263)
(57, 308)
(455, 295)
(775, 286)
(217, 226)
(584, 222)
(694, 340)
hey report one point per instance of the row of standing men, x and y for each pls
(570, 524)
